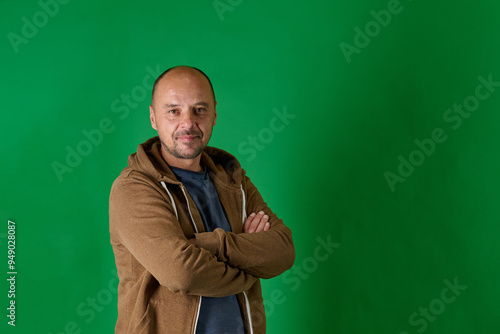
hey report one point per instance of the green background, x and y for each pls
(322, 172)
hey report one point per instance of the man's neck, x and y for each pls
(189, 164)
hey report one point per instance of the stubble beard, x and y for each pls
(177, 152)
(180, 153)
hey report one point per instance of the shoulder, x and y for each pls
(131, 182)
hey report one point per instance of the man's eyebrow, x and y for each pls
(169, 105)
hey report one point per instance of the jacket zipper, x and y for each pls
(196, 230)
(189, 209)
(243, 210)
(197, 315)
(247, 302)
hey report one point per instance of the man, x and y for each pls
(191, 234)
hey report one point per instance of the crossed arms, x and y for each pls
(256, 222)
(215, 264)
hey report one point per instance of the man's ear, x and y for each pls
(215, 111)
(152, 118)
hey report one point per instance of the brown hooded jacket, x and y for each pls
(162, 276)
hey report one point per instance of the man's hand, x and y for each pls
(256, 223)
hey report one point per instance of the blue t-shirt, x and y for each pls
(221, 315)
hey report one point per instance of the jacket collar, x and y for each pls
(222, 166)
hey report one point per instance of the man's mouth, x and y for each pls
(188, 138)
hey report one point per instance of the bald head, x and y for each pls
(177, 72)
(183, 112)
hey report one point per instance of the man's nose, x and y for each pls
(187, 120)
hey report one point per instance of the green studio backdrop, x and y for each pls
(370, 127)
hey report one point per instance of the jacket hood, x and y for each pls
(149, 161)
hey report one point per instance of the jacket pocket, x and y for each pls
(164, 317)
(143, 324)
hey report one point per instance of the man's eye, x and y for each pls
(172, 111)
(200, 110)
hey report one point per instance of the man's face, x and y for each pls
(183, 112)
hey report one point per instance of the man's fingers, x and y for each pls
(262, 223)
(256, 223)
(248, 222)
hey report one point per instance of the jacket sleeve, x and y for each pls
(142, 220)
(264, 254)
